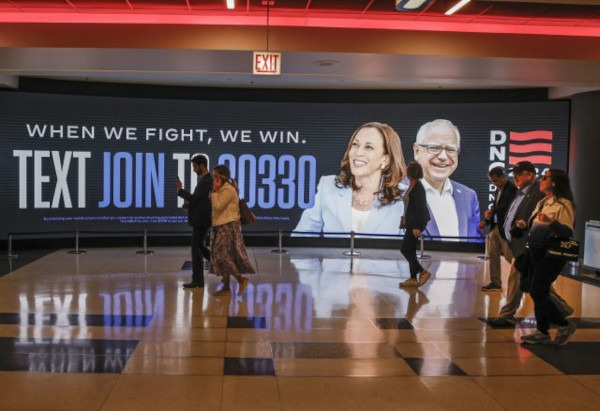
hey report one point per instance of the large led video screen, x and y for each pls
(111, 163)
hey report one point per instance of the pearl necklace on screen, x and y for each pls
(363, 201)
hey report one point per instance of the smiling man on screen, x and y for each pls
(454, 207)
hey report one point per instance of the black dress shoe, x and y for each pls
(491, 287)
(504, 322)
(193, 285)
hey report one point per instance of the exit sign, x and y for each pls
(266, 63)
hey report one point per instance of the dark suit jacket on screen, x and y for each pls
(199, 207)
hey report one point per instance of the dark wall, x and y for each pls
(584, 151)
(34, 85)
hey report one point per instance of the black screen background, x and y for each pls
(326, 128)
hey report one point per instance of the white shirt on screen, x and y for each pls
(443, 208)
(359, 218)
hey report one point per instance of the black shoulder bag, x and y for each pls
(563, 249)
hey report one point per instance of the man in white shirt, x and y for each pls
(454, 207)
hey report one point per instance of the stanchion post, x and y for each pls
(10, 248)
(486, 253)
(352, 253)
(422, 255)
(145, 251)
(76, 250)
(280, 249)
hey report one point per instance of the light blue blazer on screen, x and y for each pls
(467, 208)
(332, 212)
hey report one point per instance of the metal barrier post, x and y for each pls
(352, 253)
(486, 253)
(145, 251)
(280, 249)
(76, 250)
(422, 255)
(10, 250)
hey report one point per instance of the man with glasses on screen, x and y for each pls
(454, 207)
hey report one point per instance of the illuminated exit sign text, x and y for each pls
(267, 63)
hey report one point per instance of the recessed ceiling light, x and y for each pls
(411, 5)
(325, 63)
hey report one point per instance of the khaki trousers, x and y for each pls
(497, 246)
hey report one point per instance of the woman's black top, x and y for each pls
(416, 213)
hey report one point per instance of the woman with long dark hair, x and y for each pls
(228, 252)
(416, 216)
(553, 217)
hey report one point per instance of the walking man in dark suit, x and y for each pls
(199, 217)
(494, 217)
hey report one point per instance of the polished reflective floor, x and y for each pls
(114, 330)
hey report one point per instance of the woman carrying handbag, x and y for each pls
(554, 217)
(228, 252)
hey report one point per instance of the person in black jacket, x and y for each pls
(494, 217)
(416, 216)
(554, 217)
(199, 217)
(526, 199)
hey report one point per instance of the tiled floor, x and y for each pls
(114, 330)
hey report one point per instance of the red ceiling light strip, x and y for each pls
(458, 24)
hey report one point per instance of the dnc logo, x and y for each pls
(534, 146)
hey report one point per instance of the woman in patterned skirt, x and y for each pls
(228, 253)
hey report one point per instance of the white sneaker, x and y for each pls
(411, 282)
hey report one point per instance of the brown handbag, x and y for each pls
(246, 216)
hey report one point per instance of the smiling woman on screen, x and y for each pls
(365, 197)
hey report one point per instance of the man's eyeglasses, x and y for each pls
(451, 151)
